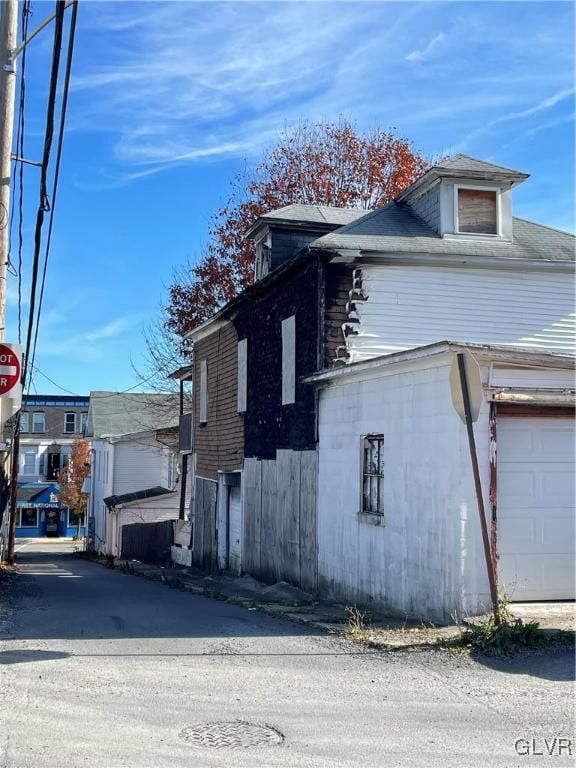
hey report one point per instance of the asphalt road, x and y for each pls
(103, 669)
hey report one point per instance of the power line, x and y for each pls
(20, 150)
(71, 37)
(103, 397)
(44, 204)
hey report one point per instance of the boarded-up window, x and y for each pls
(477, 211)
(203, 392)
(289, 360)
(373, 474)
(242, 374)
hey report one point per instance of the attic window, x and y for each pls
(262, 265)
(477, 211)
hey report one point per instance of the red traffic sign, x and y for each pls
(10, 369)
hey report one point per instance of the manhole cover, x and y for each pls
(231, 735)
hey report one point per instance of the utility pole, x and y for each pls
(8, 43)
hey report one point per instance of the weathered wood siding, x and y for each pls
(408, 307)
(338, 285)
(280, 518)
(219, 442)
(204, 524)
(268, 424)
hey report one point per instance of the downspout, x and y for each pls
(493, 492)
(182, 508)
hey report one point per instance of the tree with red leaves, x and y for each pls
(313, 163)
(71, 479)
(319, 163)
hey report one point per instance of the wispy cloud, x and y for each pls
(426, 52)
(542, 106)
(114, 328)
(197, 82)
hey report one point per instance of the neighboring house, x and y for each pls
(49, 424)
(331, 371)
(134, 476)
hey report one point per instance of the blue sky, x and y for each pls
(170, 100)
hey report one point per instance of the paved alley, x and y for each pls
(99, 668)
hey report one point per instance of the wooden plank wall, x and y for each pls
(280, 518)
(204, 534)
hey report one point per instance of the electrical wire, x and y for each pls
(44, 204)
(66, 89)
(20, 151)
(103, 397)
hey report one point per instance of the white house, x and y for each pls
(397, 520)
(398, 524)
(135, 477)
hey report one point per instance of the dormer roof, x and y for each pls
(463, 167)
(323, 215)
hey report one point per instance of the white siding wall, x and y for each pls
(138, 465)
(122, 468)
(427, 558)
(102, 481)
(413, 306)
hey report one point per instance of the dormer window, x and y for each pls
(262, 265)
(477, 211)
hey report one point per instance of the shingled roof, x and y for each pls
(112, 414)
(323, 215)
(395, 228)
(145, 493)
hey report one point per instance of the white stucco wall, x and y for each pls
(426, 559)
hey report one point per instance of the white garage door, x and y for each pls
(536, 507)
(235, 529)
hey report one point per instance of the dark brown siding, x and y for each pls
(338, 286)
(218, 444)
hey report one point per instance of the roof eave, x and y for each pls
(497, 352)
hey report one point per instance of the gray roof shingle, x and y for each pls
(146, 493)
(466, 164)
(124, 413)
(316, 214)
(395, 228)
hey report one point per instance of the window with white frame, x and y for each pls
(289, 360)
(373, 474)
(28, 456)
(70, 423)
(65, 454)
(203, 414)
(242, 374)
(477, 211)
(39, 422)
(28, 517)
(42, 463)
(83, 422)
(24, 421)
(75, 519)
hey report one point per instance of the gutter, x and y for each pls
(508, 354)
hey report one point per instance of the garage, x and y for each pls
(536, 504)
